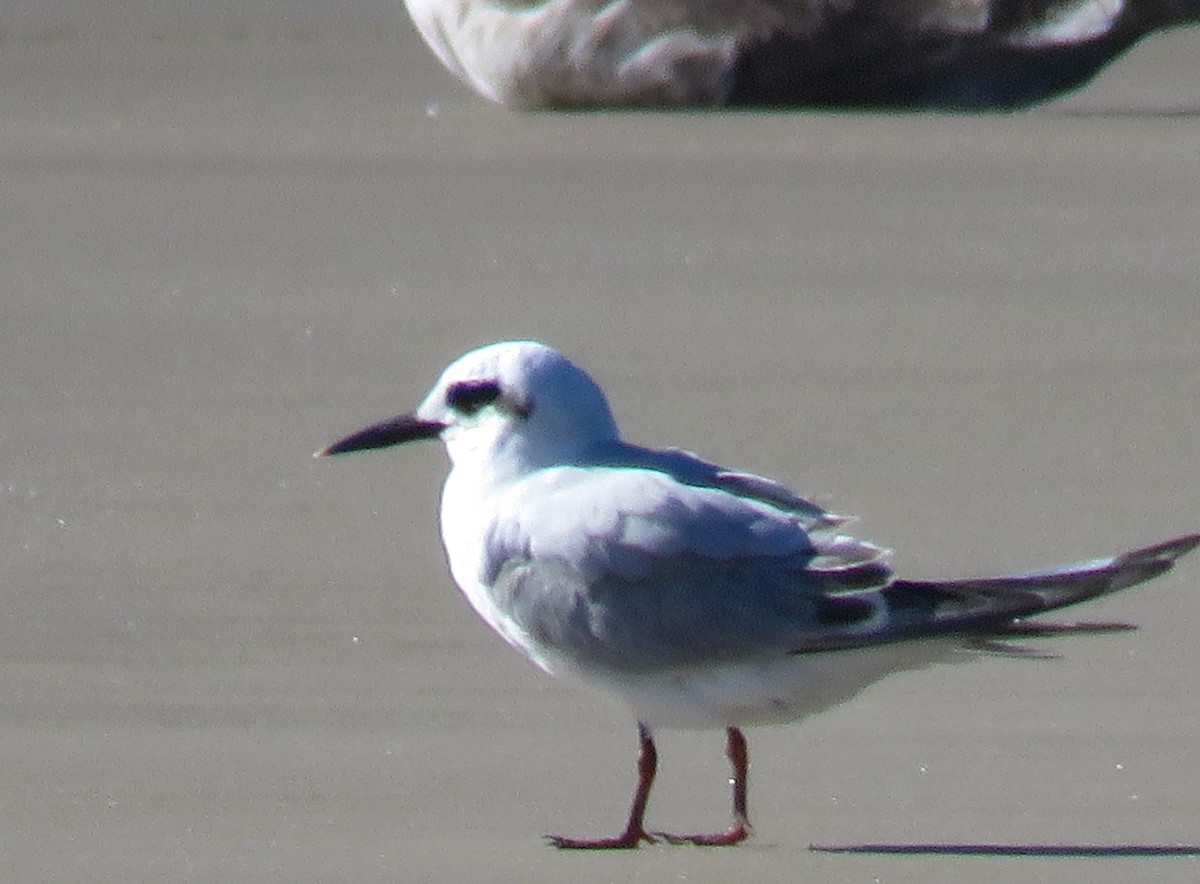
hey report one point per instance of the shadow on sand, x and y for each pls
(1072, 850)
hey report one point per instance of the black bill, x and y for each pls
(405, 428)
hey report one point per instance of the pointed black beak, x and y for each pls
(404, 428)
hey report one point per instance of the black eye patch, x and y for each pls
(469, 397)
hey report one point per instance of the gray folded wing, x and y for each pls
(628, 568)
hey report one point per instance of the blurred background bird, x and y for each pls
(945, 54)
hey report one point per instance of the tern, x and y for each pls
(703, 597)
(950, 54)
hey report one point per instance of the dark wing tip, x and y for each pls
(1166, 552)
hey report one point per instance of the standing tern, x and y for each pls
(959, 54)
(703, 597)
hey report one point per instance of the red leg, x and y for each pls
(739, 828)
(635, 831)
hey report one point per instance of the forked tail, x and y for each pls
(990, 606)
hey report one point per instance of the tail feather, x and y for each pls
(1000, 641)
(991, 606)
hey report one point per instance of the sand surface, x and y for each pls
(225, 244)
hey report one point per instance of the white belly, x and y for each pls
(768, 692)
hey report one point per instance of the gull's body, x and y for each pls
(875, 53)
(701, 596)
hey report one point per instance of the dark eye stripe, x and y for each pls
(470, 396)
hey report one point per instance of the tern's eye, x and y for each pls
(468, 397)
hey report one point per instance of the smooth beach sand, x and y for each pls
(226, 245)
